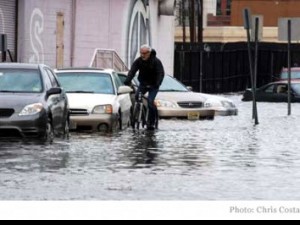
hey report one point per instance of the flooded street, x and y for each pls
(224, 159)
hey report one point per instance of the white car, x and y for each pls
(98, 100)
(176, 100)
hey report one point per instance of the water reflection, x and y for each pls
(143, 150)
(29, 156)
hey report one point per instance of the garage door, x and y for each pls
(8, 22)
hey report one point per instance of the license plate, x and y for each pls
(193, 116)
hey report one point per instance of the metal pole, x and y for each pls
(247, 27)
(255, 71)
(289, 67)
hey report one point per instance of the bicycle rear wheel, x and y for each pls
(137, 117)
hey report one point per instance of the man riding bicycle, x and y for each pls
(151, 75)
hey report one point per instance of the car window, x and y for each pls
(296, 88)
(52, 78)
(86, 82)
(270, 89)
(24, 81)
(117, 80)
(282, 89)
(171, 84)
(122, 78)
(294, 74)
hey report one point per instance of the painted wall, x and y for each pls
(122, 25)
(37, 31)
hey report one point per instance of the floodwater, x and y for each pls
(224, 159)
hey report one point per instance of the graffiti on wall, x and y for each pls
(138, 29)
(36, 30)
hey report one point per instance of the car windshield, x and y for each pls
(76, 82)
(296, 88)
(294, 75)
(169, 85)
(20, 80)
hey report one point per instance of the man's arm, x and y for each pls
(160, 72)
(132, 72)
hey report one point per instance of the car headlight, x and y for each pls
(227, 104)
(103, 109)
(212, 103)
(208, 105)
(32, 109)
(165, 104)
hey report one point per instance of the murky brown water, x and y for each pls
(224, 159)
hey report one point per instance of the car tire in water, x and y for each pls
(67, 130)
(49, 135)
(120, 122)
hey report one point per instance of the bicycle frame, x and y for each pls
(141, 113)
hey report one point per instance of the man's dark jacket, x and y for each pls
(151, 72)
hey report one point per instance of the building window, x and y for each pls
(224, 7)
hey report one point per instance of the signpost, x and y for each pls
(289, 31)
(247, 26)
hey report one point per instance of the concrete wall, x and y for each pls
(122, 25)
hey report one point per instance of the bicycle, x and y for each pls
(140, 115)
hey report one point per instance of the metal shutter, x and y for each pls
(8, 19)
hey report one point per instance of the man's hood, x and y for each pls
(153, 53)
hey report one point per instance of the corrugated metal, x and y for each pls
(8, 19)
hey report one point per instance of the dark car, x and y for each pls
(275, 92)
(32, 103)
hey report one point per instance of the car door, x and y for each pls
(266, 94)
(58, 103)
(281, 93)
(123, 99)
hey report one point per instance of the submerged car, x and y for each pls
(176, 100)
(32, 103)
(275, 92)
(98, 100)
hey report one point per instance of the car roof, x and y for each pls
(296, 81)
(293, 69)
(19, 66)
(83, 69)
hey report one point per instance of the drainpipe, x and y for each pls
(73, 31)
(167, 7)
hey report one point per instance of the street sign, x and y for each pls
(260, 27)
(247, 21)
(283, 29)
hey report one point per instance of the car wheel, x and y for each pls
(120, 122)
(67, 130)
(49, 135)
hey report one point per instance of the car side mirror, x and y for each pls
(124, 90)
(190, 88)
(54, 91)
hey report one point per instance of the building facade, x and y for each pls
(65, 33)
(271, 10)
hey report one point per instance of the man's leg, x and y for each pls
(152, 107)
